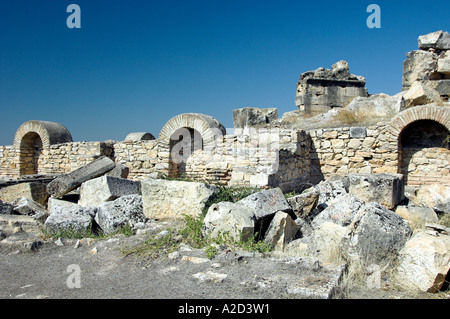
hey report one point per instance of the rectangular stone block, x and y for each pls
(106, 188)
(68, 182)
(384, 189)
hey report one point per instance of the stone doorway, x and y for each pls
(31, 148)
(183, 143)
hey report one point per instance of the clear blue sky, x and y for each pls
(135, 64)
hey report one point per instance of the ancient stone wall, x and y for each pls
(352, 150)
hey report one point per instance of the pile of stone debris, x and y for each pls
(361, 216)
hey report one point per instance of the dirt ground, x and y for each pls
(98, 269)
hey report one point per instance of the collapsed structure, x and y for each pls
(333, 132)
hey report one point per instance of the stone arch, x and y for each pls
(420, 133)
(202, 128)
(32, 138)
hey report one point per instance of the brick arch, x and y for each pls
(32, 138)
(209, 128)
(440, 114)
(206, 125)
(412, 162)
(49, 132)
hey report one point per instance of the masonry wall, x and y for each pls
(352, 150)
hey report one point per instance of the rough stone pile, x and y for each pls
(426, 72)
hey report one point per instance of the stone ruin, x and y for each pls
(401, 146)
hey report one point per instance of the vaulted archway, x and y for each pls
(184, 134)
(32, 138)
(423, 155)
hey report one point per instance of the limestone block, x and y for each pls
(33, 190)
(435, 196)
(106, 188)
(418, 66)
(231, 219)
(68, 182)
(424, 262)
(376, 233)
(420, 94)
(418, 216)
(124, 211)
(172, 199)
(120, 171)
(5, 208)
(281, 231)
(26, 206)
(438, 40)
(70, 218)
(251, 116)
(385, 189)
(304, 203)
(444, 63)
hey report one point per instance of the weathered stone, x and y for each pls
(236, 220)
(340, 210)
(32, 190)
(266, 203)
(438, 40)
(377, 105)
(120, 171)
(435, 196)
(358, 132)
(254, 117)
(376, 234)
(106, 188)
(424, 262)
(318, 91)
(417, 216)
(444, 63)
(5, 208)
(68, 182)
(418, 66)
(304, 203)
(281, 231)
(210, 276)
(26, 206)
(73, 218)
(385, 189)
(420, 94)
(173, 199)
(124, 211)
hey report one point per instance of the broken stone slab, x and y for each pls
(106, 188)
(376, 235)
(385, 189)
(72, 218)
(232, 219)
(254, 117)
(281, 231)
(5, 208)
(444, 63)
(68, 182)
(26, 206)
(124, 211)
(303, 204)
(424, 262)
(32, 190)
(438, 40)
(172, 199)
(210, 276)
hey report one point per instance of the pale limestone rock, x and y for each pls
(282, 230)
(172, 199)
(424, 262)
